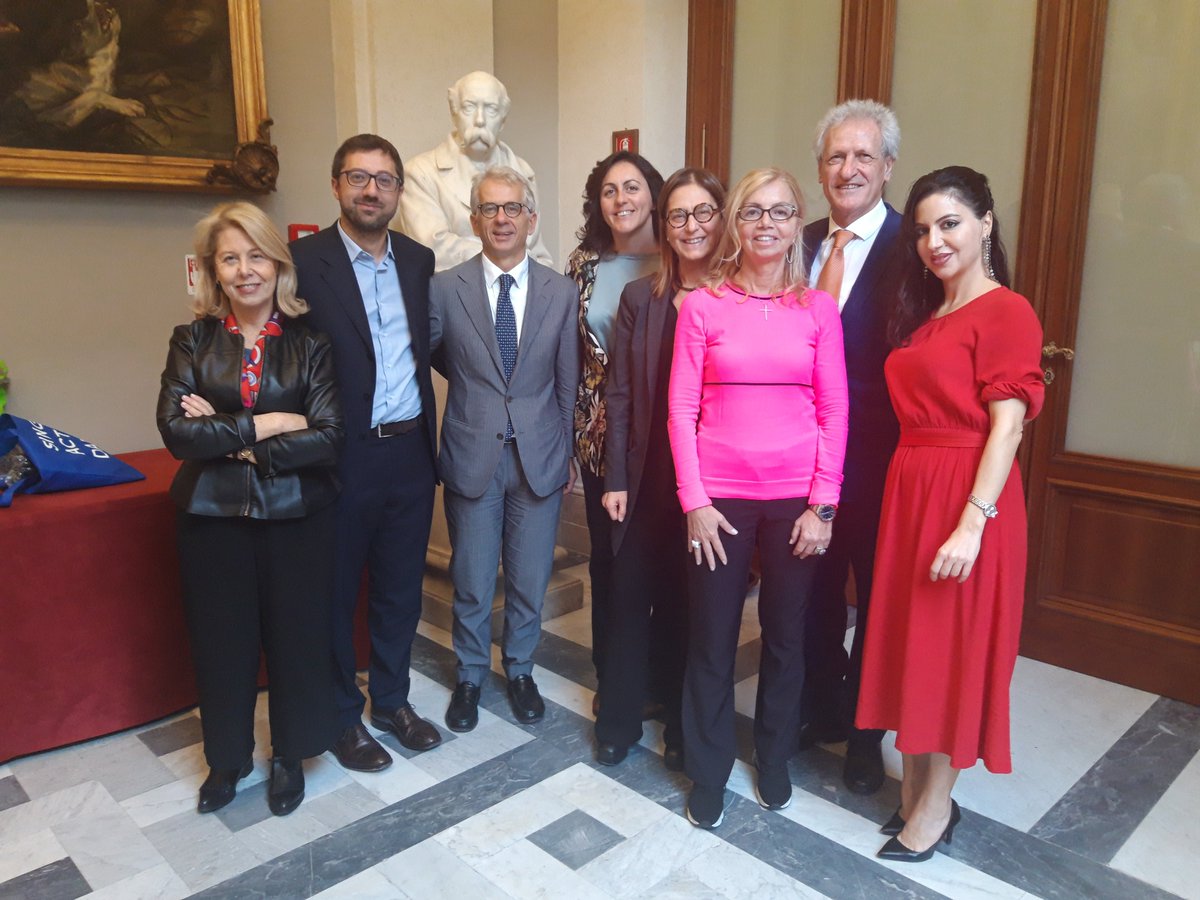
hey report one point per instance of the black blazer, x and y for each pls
(326, 280)
(632, 385)
(874, 430)
(294, 474)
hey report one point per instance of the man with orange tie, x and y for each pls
(847, 255)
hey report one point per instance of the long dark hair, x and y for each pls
(594, 234)
(920, 293)
(668, 272)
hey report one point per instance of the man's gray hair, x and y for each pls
(881, 115)
(505, 175)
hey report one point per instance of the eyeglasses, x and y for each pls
(780, 212)
(512, 209)
(703, 212)
(385, 181)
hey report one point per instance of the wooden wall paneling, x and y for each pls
(867, 48)
(710, 85)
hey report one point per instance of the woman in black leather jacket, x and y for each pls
(249, 403)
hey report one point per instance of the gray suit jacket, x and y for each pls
(540, 400)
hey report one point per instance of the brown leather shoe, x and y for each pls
(356, 749)
(414, 732)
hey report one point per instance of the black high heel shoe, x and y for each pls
(894, 825)
(895, 851)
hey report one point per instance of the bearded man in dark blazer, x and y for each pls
(368, 289)
(848, 255)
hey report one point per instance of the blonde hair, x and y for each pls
(253, 222)
(727, 261)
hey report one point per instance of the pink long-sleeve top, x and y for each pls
(758, 404)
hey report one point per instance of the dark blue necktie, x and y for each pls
(506, 335)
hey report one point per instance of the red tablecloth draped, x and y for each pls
(92, 635)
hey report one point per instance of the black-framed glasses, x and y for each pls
(385, 181)
(780, 212)
(701, 212)
(512, 209)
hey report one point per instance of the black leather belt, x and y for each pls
(394, 429)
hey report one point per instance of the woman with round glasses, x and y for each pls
(758, 418)
(646, 646)
(618, 243)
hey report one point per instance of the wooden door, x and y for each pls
(1113, 484)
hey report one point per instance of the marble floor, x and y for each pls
(1102, 805)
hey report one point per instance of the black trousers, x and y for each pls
(600, 564)
(646, 641)
(251, 585)
(383, 519)
(716, 601)
(832, 677)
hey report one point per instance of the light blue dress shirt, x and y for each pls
(397, 394)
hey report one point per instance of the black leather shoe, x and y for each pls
(894, 825)
(220, 787)
(813, 733)
(463, 712)
(413, 732)
(673, 759)
(526, 702)
(610, 754)
(896, 851)
(357, 749)
(863, 771)
(287, 785)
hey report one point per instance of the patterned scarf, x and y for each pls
(252, 360)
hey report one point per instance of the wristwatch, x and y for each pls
(989, 509)
(825, 511)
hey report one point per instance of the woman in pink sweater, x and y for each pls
(757, 420)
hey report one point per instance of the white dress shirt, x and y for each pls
(517, 293)
(866, 229)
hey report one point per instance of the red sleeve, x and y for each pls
(1009, 352)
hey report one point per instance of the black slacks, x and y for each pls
(646, 641)
(832, 678)
(251, 585)
(600, 563)
(383, 518)
(716, 600)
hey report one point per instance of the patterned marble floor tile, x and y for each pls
(366, 885)
(648, 857)
(575, 839)
(200, 849)
(503, 824)
(1163, 849)
(107, 848)
(734, 874)
(490, 738)
(683, 885)
(85, 800)
(342, 806)
(164, 802)
(621, 809)
(11, 792)
(174, 735)
(158, 883)
(276, 835)
(429, 869)
(522, 870)
(25, 852)
(400, 780)
(574, 626)
(59, 880)
(122, 763)
(563, 691)
(186, 761)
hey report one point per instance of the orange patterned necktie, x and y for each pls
(830, 279)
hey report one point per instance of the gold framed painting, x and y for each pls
(159, 95)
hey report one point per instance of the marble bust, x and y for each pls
(435, 207)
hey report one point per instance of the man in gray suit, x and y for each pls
(503, 332)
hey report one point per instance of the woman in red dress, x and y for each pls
(950, 565)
